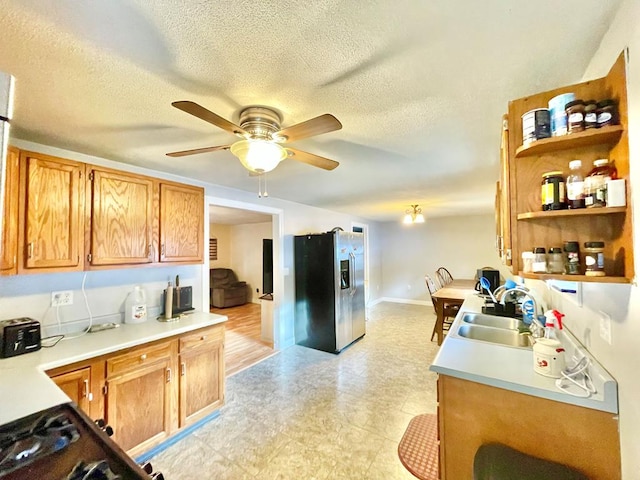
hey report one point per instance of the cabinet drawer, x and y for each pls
(145, 355)
(201, 337)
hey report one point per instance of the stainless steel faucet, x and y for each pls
(536, 328)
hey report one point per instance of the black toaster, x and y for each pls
(18, 336)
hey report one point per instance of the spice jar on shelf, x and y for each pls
(552, 192)
(607, 113)
(539, 260)
(594, 259)
(555, 260)
(596, 182)
(572, 258)
(590, 114)
(575, 116)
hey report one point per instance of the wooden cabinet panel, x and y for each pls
(51, 224)
(181, 223)
(472, 414)
(503, 218)
(122, 220)
(9, 246)
(76, 385)
(201, 374)
(140, 402)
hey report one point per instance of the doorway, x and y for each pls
(239, 229)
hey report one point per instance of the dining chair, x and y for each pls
(450, 311)
(443, 276)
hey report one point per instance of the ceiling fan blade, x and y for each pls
(184, 153)
(208, 116)
(315, 126)
(311, 159)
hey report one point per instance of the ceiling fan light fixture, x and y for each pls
(258, 156)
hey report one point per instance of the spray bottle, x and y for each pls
(548, 352)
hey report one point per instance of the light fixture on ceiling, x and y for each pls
(257, 155)
(413, 215)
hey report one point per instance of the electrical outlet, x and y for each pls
(605, 327)
(60, 299)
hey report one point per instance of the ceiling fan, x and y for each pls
(260, 149)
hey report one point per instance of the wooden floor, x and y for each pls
(243, 346)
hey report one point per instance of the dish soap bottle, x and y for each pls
(135, 307)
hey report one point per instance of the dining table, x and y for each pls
(454, 293)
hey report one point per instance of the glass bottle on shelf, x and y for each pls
(575, 185)
(603, 171)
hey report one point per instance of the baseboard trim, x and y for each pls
(175, 438)
(425, 303)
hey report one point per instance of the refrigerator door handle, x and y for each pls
(352, 273)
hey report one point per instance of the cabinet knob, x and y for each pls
(203, 337)
(143, 356)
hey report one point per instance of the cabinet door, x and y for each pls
(121, 218)
(51, 224)
(181, 223)
(201, 376)
(75, 385)
(504, 239)
(141, 396)
(9, 246)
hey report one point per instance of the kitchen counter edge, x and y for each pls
(25, 388)
(511, 368)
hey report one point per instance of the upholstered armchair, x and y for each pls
(226, 290)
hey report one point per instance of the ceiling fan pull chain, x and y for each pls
(264, 193)
(259, 187)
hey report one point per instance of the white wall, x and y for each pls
(223, 234)
(620, 302)
(462, 244)
(246, 254)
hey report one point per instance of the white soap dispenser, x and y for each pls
(548, 352)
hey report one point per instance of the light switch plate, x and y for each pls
(605, 327)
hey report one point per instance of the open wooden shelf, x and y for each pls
(574, 278)
(571, 213)
(588, 138)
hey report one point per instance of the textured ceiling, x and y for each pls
(419, 86)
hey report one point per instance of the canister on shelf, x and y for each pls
(575, 116)
(527, 262)
(594, 259)
(535, 125)
(572, 258)
(539, 260)
(596, 182)
(555, 260)
(607, 113)
(558, 114)
(552, 191)
(590, 114)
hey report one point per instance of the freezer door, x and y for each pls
(343, 289)
(358, 313)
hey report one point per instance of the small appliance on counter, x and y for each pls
(178, 298)
(18, 336)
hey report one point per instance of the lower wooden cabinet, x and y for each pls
(140, 396)
(75, 385)
(201, 374)
(149, 392)
(471, 414)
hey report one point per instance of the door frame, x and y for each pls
(277, 229)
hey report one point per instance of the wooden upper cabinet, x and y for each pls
(181, 223)
(504, 239)
(50, 219)
(9, 246)
(122, 219)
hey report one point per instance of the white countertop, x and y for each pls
(511, 368)
(26, 389)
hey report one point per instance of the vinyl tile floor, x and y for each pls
(307, 414)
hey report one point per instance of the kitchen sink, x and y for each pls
(501, 336)
(494, 321)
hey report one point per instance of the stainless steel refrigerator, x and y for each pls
(330, 306)
(6, 111)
